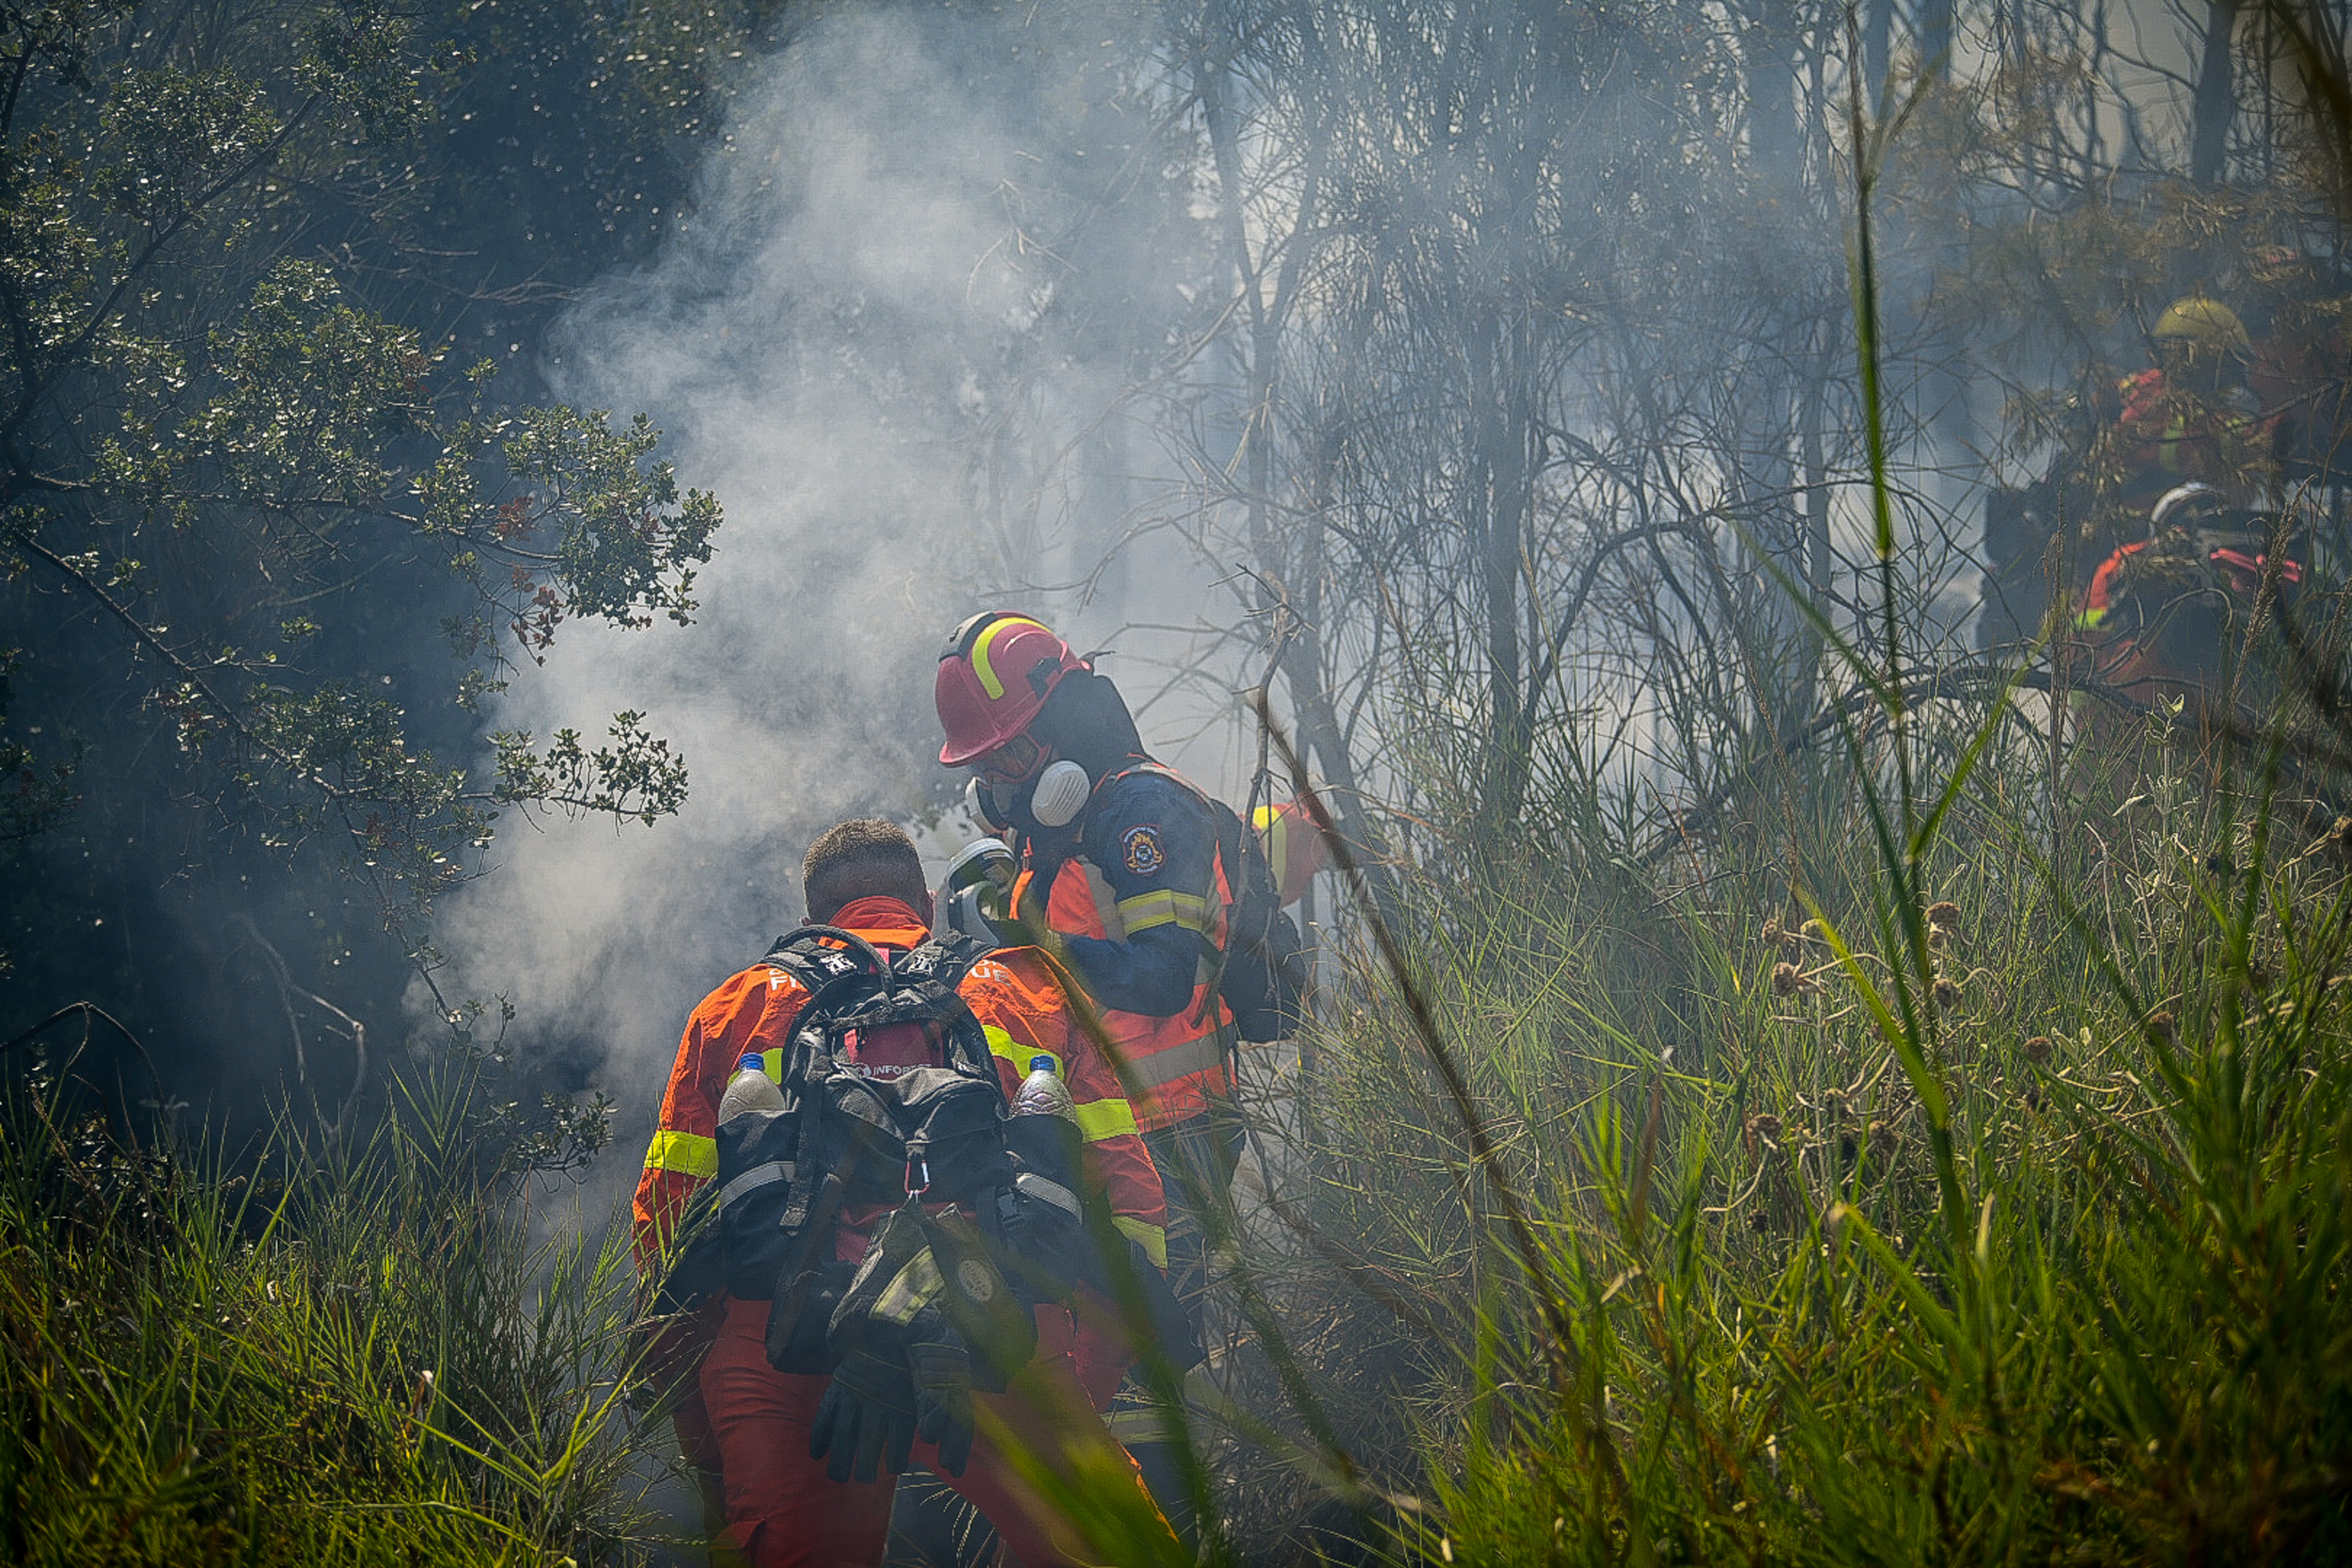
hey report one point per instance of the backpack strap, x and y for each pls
(940, 964)
(829, 974)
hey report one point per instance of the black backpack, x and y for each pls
(766, 1227)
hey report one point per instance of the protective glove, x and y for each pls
(942, 1379)
(1014, 926)
(866, 1419)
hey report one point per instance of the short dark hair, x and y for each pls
(861, 858)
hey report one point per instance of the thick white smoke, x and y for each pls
(827, 344)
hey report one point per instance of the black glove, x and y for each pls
(867, 1421)
(942, 1380)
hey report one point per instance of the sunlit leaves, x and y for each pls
(169, 136)
(191, 363)
(313, 396)
(343, 764)
(637, 775)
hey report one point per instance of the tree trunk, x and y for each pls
(2216, 103)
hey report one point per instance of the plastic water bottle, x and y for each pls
(751, 1089)
(1043, 1094)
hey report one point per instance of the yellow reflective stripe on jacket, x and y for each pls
(687, 1153)
(1097, 1119)
(1005, 1048)
(1152, 1238)
(1101, 1119)
(1164, 907)
(1202, 1053)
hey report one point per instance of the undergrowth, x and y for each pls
(340, 1355)
(2046, 1266)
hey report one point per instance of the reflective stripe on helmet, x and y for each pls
(990, 682)
(687, 1153)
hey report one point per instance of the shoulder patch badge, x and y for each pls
(1139, 847)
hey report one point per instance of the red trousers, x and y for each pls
(784, 1512)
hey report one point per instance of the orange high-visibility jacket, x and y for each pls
(1137, 869)
(1019, 1006)
(2169, 435)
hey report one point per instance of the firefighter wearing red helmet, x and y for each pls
(1118, 857)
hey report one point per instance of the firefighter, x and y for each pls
(2189, 418)
(2163, 614)
(1119, 868)
(783, 1506)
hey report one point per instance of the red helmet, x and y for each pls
(995, 675)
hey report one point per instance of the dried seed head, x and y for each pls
(1943, 915)
(1786, 979)
(2038, 1049)
(1773, 935)
(1760, 1133)
(1947, 991)
(1884, 1140)
(2161, 1025)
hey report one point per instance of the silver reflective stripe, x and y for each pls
(1162, 1068)
(1054, 1192)
(1134, 1427)
(1106, 911)
(758, 1177)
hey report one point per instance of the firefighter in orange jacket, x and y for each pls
(2189, 418)
(1119, 859)
(781, 1506)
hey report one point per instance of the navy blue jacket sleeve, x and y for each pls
(1155, 843)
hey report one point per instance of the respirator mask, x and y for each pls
(1055, 800)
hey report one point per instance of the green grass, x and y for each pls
(1778, 1314)
(361, 1358)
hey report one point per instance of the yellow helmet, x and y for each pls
(2209, 323)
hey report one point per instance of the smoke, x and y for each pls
(859, 342)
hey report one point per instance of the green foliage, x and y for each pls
(227, 436)
(340, 1356)
(1997, 1210)
(2046, 1264)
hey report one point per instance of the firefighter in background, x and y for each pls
(782, 1507)
(1119, 859)
(2188, 418)
(2165, 613)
